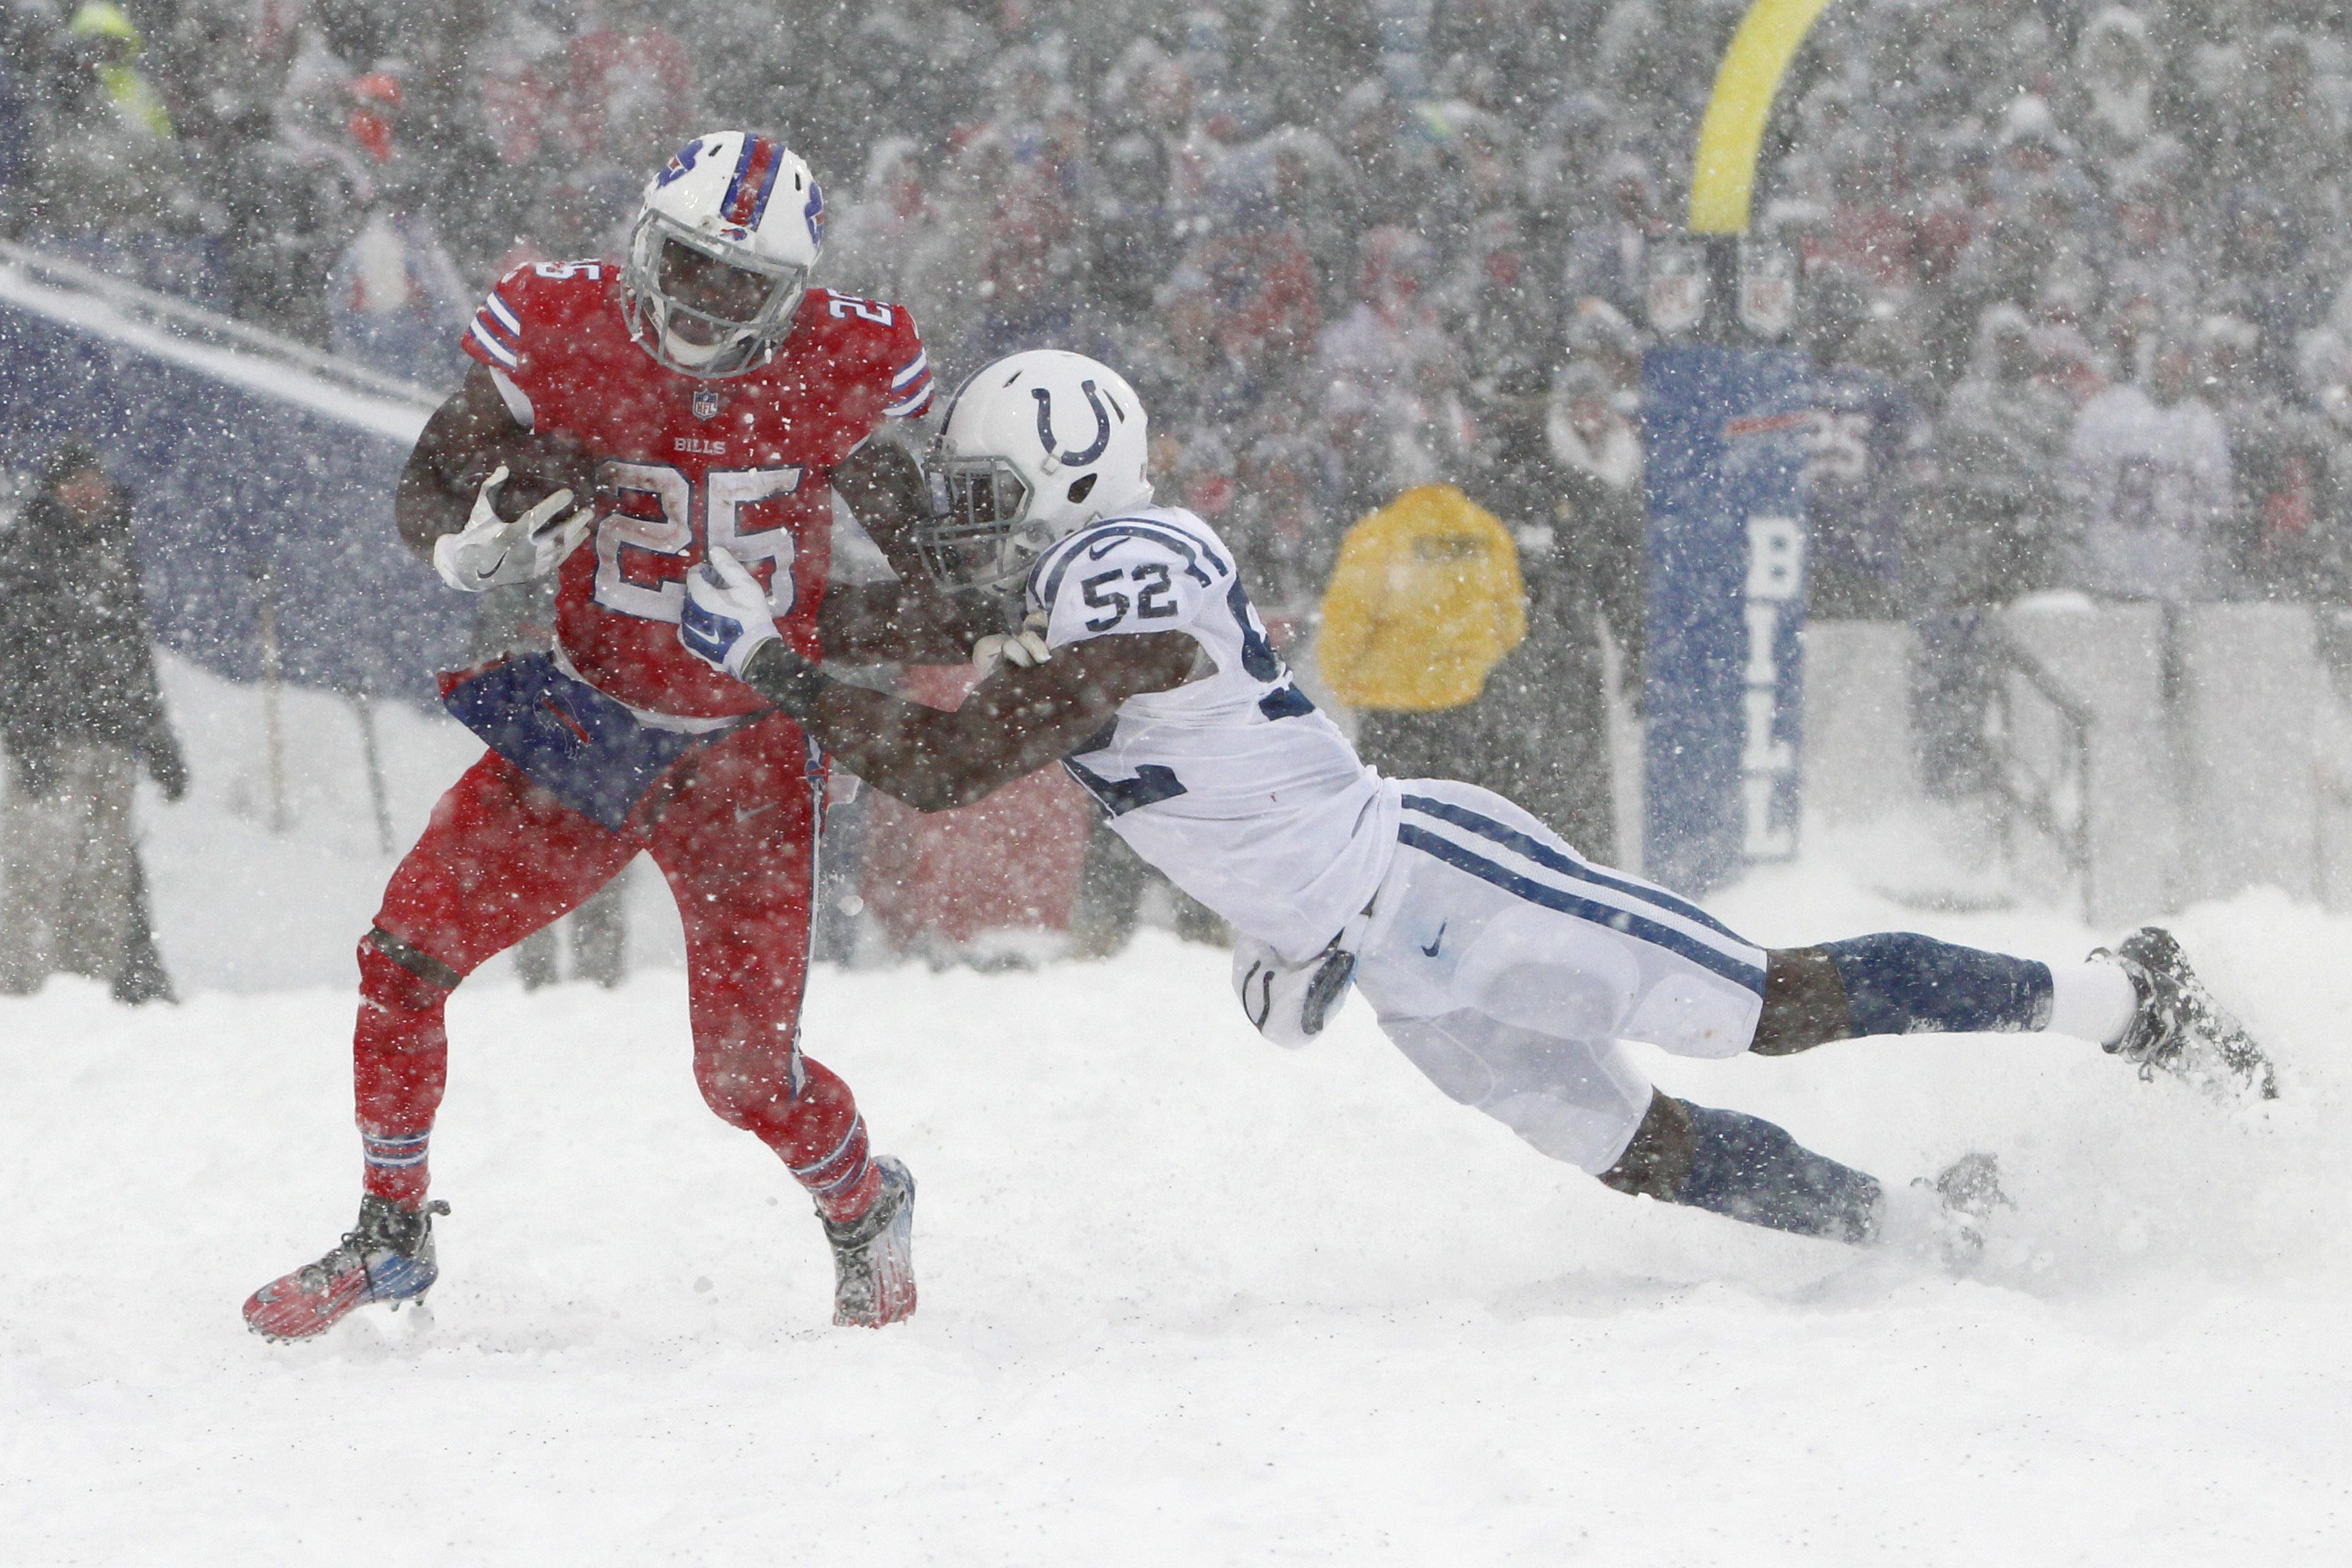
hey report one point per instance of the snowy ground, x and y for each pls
(1186, 1299)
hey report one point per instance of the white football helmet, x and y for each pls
(721, 254)
(1034, 447)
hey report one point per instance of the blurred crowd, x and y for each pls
(2073, 276)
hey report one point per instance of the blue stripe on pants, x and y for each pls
(1551, 859)
(1736, 970)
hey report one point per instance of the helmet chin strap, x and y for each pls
(697, 356)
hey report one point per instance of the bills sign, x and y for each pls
(1723, 429)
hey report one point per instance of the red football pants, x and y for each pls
(733, 827)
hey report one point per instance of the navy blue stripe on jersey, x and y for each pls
(1551, 859)
(1738, 971)
(1183, 543)
(1168, 534)
(1286, 701)
(1153, 782)
(1054, 551)
(1055, 562)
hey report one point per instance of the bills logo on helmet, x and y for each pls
(680, 162)
(814, 213)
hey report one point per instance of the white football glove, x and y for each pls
(1024, 650)
(727, 617)
(1289, 1003)
(491, 551)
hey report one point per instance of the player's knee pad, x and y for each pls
(1585, 1134)
(1459, 1071)
(1571, 1100)
(1561, 977)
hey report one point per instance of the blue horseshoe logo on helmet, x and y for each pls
(1045, 425)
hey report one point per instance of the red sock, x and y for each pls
(821, 1138)
(843, 1181)
(400, 1061)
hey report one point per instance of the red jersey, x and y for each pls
(743, 461)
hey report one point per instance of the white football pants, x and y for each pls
(1507, 967)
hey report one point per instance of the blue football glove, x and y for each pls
(726, 618)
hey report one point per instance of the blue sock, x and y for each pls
(1747, 1169)
(1899, 983)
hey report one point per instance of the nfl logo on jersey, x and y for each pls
(706, 403)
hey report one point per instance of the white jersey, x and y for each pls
(1233, 785)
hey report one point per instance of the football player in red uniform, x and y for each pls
(704, 393)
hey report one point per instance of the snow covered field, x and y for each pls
(1186, 1299)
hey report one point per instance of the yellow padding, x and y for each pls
(1424, 600)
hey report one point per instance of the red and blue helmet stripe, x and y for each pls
(755, 180)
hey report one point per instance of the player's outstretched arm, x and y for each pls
(909, 621)
(467, 439)
(1014, 722)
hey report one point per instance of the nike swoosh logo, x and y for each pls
(1431, 951)
(744, 814)
(1097, 551)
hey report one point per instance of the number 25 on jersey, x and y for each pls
(656, 511)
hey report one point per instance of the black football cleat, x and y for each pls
(874, 1255)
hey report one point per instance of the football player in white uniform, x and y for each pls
(1506, 965)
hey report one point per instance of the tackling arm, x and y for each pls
(909, 620)
(1014, 722)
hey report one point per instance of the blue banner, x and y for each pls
(234, 482)
(1723, 434)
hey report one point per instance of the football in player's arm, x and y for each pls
(1503, 963)
(451, 480)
